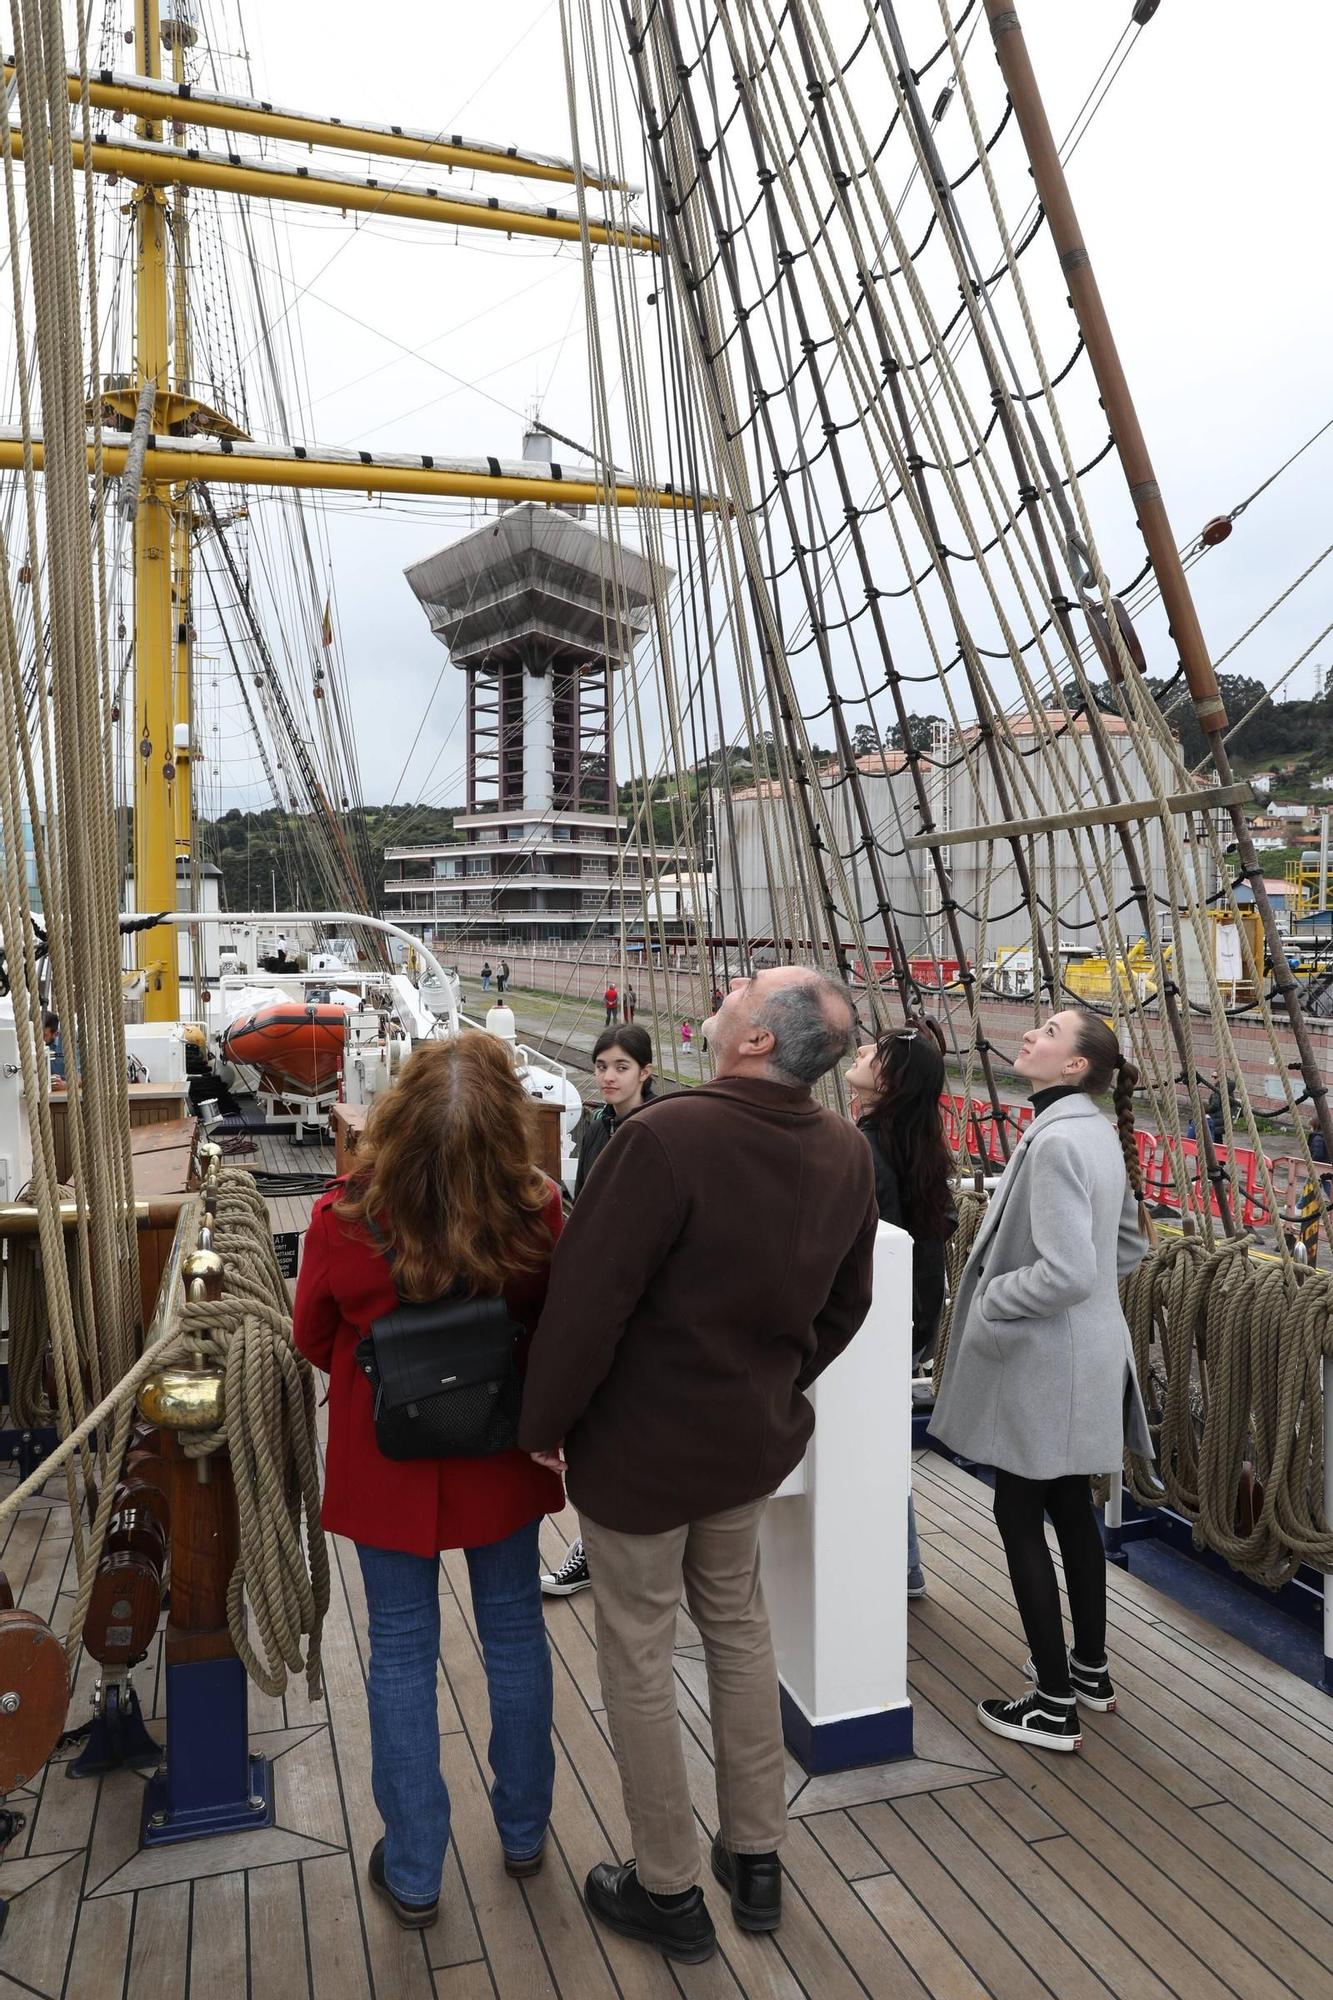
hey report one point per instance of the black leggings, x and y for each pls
(1021, 1506)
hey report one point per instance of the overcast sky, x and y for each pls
(1203, 190)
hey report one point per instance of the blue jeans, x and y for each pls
(403, 1602)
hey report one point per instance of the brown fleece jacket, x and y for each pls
(717, 1260)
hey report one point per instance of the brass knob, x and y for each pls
(183, 1399)
(202, 1268)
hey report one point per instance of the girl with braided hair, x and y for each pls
(1039, 1380)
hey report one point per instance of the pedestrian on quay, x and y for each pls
(1039, 1380)
(686, 1035)
(630, 1003)
(486, 975)
(897, 1081)
(717, 1261)
(622, 1061)
(444, 1206)
(611, 1001)
(502, 975)
(716, 1001)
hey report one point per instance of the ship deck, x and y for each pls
(1187, 1851)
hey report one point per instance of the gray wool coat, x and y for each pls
(1039, 1378)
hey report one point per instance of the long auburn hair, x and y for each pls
(1108, 1069)
(445, 1169)
(905, 1120)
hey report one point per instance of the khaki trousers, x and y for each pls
(636, 1583)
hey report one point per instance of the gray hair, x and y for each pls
(803, 1021)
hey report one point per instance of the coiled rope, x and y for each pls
(268, 1430)
(1229, 1351)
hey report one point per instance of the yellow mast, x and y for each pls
(163, 632)
(180, 34)
(154, 552)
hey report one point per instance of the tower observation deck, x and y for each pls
(539, 611)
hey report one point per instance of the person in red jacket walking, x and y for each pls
(612, 1000)
(445, 1178)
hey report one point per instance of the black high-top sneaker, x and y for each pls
(572, 1574)
(1046, 1721)
(1091, 1685)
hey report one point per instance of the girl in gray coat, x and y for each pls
(1039, 1380)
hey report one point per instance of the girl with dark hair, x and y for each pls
(622, 1061)
(897, 1081)
(1040, 1380)
(444, 1192)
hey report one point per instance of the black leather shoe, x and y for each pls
(411, 1916)
(755, 1885)
(616, 1896)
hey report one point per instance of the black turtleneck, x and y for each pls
(1042, 1100)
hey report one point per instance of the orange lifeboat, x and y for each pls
(293, 1047)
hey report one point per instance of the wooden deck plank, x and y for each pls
(500, 1912)
(948, 1831)
(465, 1982)
(944, 1974)
(1172, 1742)
(219, 1944)
(1166, 1872)
(846, 1846)
(160, 1957)
(1110, 1958)
(398, 1957)
(277, 1933)
(977, 1601)
(338, 1969)
(1293, 1741)
(101, 1950)
(988, 1954)
(846, 1949)
(1119, 1787)
(1019, 1810)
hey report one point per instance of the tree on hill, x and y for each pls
(277, 858)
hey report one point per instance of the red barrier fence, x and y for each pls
(1165, 1161)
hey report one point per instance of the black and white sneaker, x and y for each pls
(571, 1576)
(1046, 1721)
(1091, 1685)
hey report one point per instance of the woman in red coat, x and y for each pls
(444, 1170)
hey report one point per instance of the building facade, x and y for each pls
(992, 913)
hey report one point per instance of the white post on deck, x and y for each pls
(835, 1544)
(1115, 1501)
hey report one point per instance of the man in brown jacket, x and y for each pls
(718, 1260)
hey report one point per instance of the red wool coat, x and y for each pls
(418, 1505)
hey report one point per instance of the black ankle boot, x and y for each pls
(755, 1882)
(683, 1929)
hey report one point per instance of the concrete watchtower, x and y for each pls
(538, 610)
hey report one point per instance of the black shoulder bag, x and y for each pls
(444, 1376)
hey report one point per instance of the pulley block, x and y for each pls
(34, 1696)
